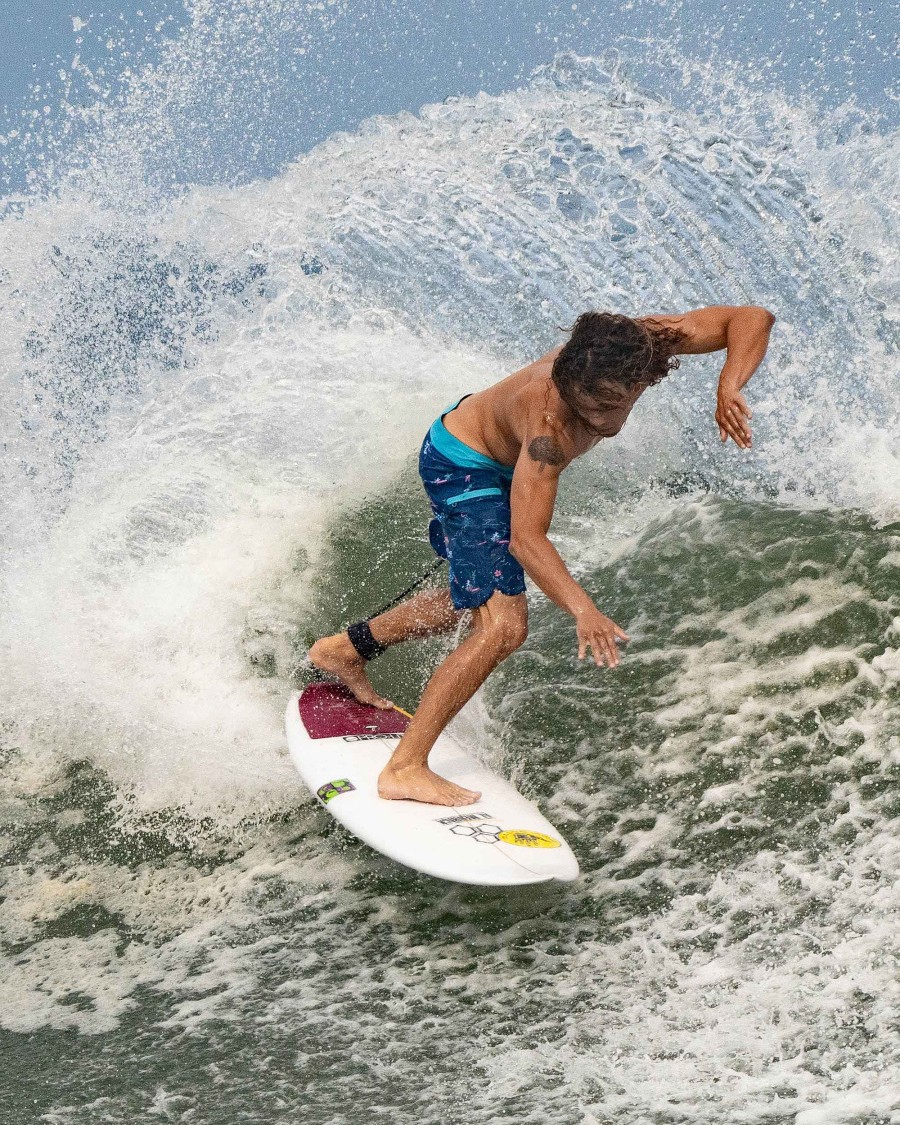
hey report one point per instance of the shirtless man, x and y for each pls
(490, 465)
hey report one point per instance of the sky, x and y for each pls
(383, 56)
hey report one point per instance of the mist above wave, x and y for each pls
(196, 387)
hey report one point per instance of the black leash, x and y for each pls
(314, 672)
(436, 565)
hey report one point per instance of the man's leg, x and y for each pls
(424, 615)
(499, 627)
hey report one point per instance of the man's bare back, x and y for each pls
(495, 421)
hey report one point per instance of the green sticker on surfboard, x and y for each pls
(334, 789)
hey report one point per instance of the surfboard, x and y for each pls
(339, 746)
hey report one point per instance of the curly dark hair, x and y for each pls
(608, 348)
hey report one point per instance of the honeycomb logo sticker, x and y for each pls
(482, 833)
(334, 788)
(494, 834)
(523, 839)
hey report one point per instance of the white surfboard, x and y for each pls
(340, 746)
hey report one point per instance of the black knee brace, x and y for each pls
(362, 640)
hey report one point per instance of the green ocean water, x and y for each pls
(732, 928)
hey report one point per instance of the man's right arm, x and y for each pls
(541, 460)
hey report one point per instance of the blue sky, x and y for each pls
(383, 56)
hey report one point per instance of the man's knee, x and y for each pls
(505, 626)
(515, 632)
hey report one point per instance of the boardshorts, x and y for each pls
(469, 494)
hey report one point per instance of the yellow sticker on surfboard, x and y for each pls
(523, 839)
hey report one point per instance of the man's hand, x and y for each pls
(733, 415)
(597, 632)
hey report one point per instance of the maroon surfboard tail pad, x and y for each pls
(329, 710)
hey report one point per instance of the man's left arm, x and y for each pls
(744, 331)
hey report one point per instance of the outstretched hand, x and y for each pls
(733, 416)
(599, 634)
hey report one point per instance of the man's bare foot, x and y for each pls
(419, 783)
(337, 656)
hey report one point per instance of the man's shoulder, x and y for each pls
(550, 357)
(538, 398)
(543, 365)
(544, 422)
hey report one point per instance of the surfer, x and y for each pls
(490, 465)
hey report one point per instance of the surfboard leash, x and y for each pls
(435, 566)
(317, 675)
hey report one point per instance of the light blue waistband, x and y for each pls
(461, 454)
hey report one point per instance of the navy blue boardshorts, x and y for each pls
(469, 494)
